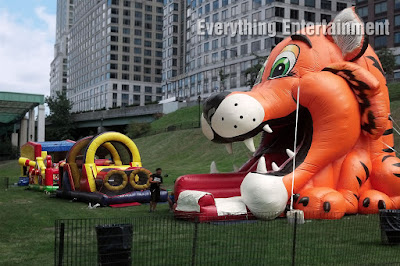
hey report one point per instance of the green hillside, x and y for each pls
(188, 115)
(187, 152)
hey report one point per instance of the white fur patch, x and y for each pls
(348, 43)
(236, 115)
(264, 195)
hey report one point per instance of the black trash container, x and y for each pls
(114, 243)
(390, 226)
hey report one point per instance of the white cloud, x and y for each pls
(26, 52)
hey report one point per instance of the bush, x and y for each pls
(135, 130)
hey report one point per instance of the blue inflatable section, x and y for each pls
(54, 146)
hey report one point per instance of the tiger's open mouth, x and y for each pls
(277, 146)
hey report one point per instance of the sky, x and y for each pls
(27, 36)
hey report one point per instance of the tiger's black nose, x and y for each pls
(212, 103)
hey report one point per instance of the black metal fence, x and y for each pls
(163, 240)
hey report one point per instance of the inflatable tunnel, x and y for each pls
(105, 169)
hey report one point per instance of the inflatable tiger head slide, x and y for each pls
(345, 162)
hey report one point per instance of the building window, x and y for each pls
(215, 44)
(340, 6)
(148, 89)
(256, 46)
(243, 49)
(363, 11)
(215, 4)
(147, 99)
(325, 4)
(279, 12)
(115, 86)
(125, 76)
(380, 8)
(380, 42)
(397, 20)
(125, 87)
(206, 46)
(326, 17)
(294, 14)
(207, 8)
(309, 3)
(256, 4)
(234, 11)
(396, 4)
(136, 98)
(397, 38)
(309, 16)
(294, 2)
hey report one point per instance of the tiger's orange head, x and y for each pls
(337, 82)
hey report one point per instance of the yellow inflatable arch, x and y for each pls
(104, 140)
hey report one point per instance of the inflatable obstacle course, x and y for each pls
(40, 163)
(105, 169)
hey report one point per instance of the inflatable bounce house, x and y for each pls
(40, 162)
(322, 105)
(105, 169)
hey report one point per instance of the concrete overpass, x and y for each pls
(125, 115)
(118, 116)
(14, 107)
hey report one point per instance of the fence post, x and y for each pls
(294, 239)
(61, 245)
(194, 247)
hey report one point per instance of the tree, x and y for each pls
(222, 78)
(387, 60)
(252, 72)
(135, 130)
(60, 117)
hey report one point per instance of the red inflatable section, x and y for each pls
(223, 185)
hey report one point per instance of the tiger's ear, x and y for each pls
(352, 45)
(366, 88)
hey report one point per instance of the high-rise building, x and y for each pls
(114, 53)
(58, 67)
(379, 11)
(197, 65)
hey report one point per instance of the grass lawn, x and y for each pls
(27, 217)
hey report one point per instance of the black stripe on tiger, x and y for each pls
(388, 149)
(397, 175)
(359, 181)
(385, 157)
(388, 132)
(396, 164)
(365, 169)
